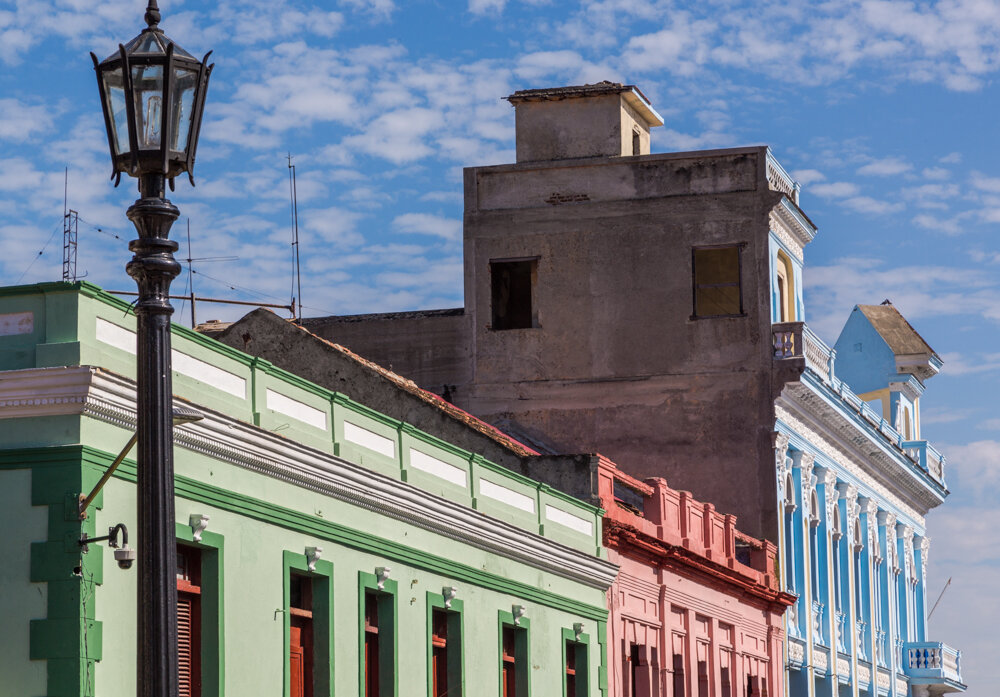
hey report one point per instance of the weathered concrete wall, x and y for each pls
(431, 348)
(618, 365)
(556, 130)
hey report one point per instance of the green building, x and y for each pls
(323, 548)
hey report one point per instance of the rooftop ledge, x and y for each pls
(794, 341)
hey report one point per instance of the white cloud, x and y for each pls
(427, 224)
(835, 189)
(20, 121)
(886, 167)
(480, 7)
(949, 226)
(936, 173)
(951, 158)
(871, 206)
(805, 177)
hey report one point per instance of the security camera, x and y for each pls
(125, 557)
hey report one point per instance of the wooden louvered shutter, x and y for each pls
(188, 622)
(184, 645)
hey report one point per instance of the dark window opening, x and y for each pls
(300, 646)
(439, 653)
(570, 669)
(576, 669)
(371, 646)
(703, 679)
(679, 675)
(512, 298)
(717, 290)
(188, 621)
(636, 143)
(727, 685)
(514, 657)
(635, 661)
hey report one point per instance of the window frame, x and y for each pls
(738, 246)
(211, 603)
(532, 261)
(581, 662)
(322, 621)
(522, 650)
(388, 659)
(455, 647)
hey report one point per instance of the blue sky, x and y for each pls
(885, 111)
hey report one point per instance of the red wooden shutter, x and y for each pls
(188, 622)
(184, 646)
(296, 660)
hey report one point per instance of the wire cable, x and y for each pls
(40, 253)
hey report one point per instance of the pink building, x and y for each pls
(696, 610)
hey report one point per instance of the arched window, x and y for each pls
(786, 288)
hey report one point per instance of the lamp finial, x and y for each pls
(152, 16)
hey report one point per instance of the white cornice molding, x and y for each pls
(110, 398)
(878, 465)
(792, 220)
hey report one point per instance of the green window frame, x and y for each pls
(455, 648)
(522, 652)
(579, 645)
(322, 603)
(213, 636)
(388, 657)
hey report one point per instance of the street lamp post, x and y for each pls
(152, 95)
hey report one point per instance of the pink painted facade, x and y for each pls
(696, 610)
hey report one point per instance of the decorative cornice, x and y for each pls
(108, 397)
(866, 455)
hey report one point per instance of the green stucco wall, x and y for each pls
(20, 600)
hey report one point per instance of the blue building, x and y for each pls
(855, 481)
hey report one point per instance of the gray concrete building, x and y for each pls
(615, 301)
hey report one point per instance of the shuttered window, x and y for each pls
(300, 647)
(188, 621)
(371, 646)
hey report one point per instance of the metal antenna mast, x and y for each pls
(71, 227)
(190, 263)
(293, 192)
(939, 598)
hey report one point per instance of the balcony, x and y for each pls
(933, 668)
(926, 457)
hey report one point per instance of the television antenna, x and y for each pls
(190, 264)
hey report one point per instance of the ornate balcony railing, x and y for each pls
(926, 456)
(859, 629)
(933, 660)
(778, 179)
(786, 339)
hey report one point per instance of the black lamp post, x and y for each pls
(152, 94)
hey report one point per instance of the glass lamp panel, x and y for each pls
(181, 107)
(147, 91)
(114, 92)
